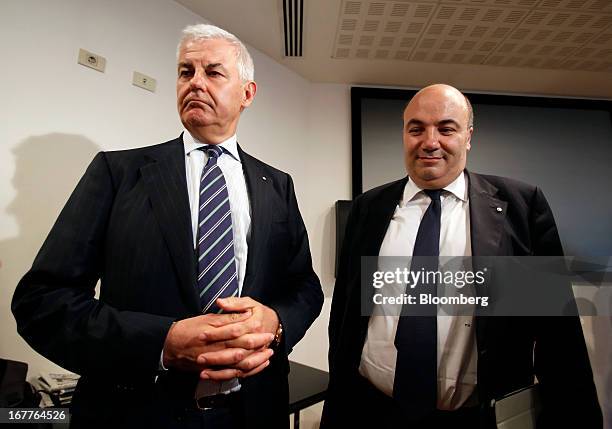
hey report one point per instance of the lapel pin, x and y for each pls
(264, 178)
(499, 209)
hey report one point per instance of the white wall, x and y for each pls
(58, 114)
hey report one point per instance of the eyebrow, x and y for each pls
(217, 66)
(186, 64)
(439, 123)
(414, 122)
(449, 122)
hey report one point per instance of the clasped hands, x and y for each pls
(223, 346)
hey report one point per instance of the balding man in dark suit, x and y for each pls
(429, 372)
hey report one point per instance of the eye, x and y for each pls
(185, 72)
(415, 131)
(213, 73)
(446, 131)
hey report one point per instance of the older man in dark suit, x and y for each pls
(205, 269)
(429, 372)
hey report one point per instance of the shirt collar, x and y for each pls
(229, 146)
(456, 187)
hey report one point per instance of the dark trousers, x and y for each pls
(166, 418)
(164, 405)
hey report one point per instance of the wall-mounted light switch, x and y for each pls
(144, 81)
(94, 61)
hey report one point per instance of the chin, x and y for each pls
(430, 174)
(196, 121)
(429, 179)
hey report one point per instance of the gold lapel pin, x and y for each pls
(499, 209)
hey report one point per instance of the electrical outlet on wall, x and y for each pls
(143, 81)
(91, 60)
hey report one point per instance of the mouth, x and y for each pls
(429, 159)
(196, 104)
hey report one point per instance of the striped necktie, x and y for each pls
(415, 383)
(217, 276)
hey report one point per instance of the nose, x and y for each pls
(430, 141)
(198, 81)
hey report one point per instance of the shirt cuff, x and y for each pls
(161, 366)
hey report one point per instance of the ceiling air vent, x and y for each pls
(293, 20)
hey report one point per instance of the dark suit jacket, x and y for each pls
(506, 360)
(128, 224)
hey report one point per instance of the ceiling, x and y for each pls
(547, 47)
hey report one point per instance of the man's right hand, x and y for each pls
(185, 342)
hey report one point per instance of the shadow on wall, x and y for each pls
(47, 169)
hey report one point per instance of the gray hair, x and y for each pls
(244, 62)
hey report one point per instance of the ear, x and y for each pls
(468, 143)
(249, 90)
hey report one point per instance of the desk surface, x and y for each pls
(307, 386)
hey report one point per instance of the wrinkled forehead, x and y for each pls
(209, 49)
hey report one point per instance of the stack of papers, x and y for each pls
(56, 389)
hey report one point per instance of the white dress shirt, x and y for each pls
(456, 348)
(230, 164)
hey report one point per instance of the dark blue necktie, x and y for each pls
(216, 260)
(415, 383)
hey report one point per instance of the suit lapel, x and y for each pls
(258, 187)
(487, 216)
(378, 216)
(165, 181)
